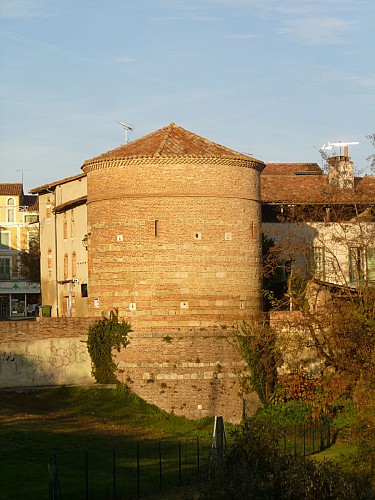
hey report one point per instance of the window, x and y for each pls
(371, 264)
(319, 263)
(11, 213)
(74, 265)
(31, 218)
(65, 266)
(356, 264)
(48, 208)
(4, 240)
(65, 227)
(84, 291)
(49, 258)
(72, 224)
(5, 268)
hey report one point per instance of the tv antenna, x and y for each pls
(339, 144)
(126, 128)
(22, 171)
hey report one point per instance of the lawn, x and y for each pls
(107, 443)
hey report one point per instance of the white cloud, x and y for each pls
(338, 75)
(316, 30)
(239, 36)
(124, 59)
(13, 9)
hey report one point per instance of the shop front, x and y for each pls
(20, 302)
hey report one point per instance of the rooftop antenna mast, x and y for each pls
(22, 171)
(126, 128)
(339, 144)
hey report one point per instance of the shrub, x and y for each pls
(255, 468)
(104, 335)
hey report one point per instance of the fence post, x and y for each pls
(198, 458)
(87, 474)
(54, 483)
(313, 437)
(329, 431)
(138, 475)
(179, 464)
(285, 431)
(160, 469)
(114, 474)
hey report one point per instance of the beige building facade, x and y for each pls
(19, 231)
(63, 237)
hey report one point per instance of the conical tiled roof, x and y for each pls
(170, 141)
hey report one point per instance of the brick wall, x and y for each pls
(192, 372)
(43, 328)
(175, 242)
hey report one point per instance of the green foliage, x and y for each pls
(284, 414)
(105, 335)
(255, 468)
(257, 343)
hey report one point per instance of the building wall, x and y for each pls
(332, 252)
(177, 243)
(17, 229)
(61, 234)
(48, 351)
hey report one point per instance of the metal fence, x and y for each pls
(121, 473)
(150, 467)
(307, 438)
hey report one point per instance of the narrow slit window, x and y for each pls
(156, 228)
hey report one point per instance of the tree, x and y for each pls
(371, 158)
(30, 261)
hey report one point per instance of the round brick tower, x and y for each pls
(174, 232)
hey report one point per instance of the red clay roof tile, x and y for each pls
(284, 183)
(170, 141)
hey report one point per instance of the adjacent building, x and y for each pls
(324, 222)
(19, 234)
(63, 246)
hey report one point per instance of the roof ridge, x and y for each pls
(163, 143)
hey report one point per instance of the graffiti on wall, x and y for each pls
(59, 357)
(44, 365)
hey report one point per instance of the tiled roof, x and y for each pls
(283, 183)
(51, 185)
(11, 189)
(29, 201)
(170, 141)
(291, 168)
(70, 204)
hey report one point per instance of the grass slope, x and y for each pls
(88, 430)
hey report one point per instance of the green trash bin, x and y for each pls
(46, 311)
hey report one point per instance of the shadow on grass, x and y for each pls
(99, 440)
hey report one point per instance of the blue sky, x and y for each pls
(273, 78)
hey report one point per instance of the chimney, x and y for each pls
(341, 171)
